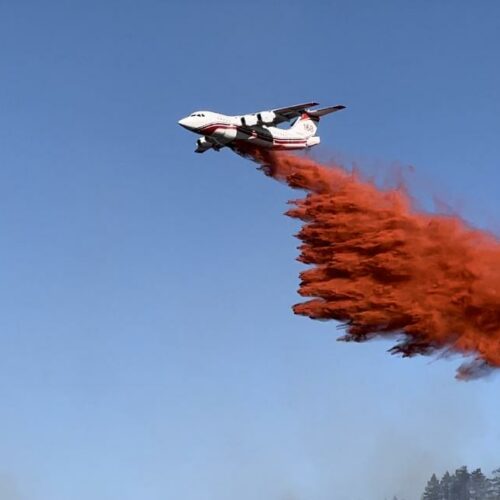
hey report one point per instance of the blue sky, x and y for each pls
(147, 345)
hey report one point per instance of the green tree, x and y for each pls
(478, 485)
(494, 486)
(432, 490)
(460, 484)
(445, 486)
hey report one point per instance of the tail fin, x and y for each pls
(306, 125)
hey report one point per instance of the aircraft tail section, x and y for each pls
(313, 141)
(306, 125)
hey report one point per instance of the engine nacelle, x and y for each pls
(249, 120)
(202, 142)
(202, 145)
(227, 134)
(263, 118)
(266, 117)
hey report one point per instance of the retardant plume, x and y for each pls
(383, 269)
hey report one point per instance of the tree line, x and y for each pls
(463, 485)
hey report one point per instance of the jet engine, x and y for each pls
(263, 118)
(266, 117)
(202, 142)
(249, 120)
(227, 134)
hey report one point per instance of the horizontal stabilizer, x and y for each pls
(317, 113)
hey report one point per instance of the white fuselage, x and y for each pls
(221, 130)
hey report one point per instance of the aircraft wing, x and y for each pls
(291, 112)
(276, 116)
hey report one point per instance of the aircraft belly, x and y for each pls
(260, 142)
(263, 137)
(256, 136)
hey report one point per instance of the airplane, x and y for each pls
(257, 129)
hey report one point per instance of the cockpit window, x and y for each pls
(198, 114)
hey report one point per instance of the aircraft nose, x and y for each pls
(184, 122)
